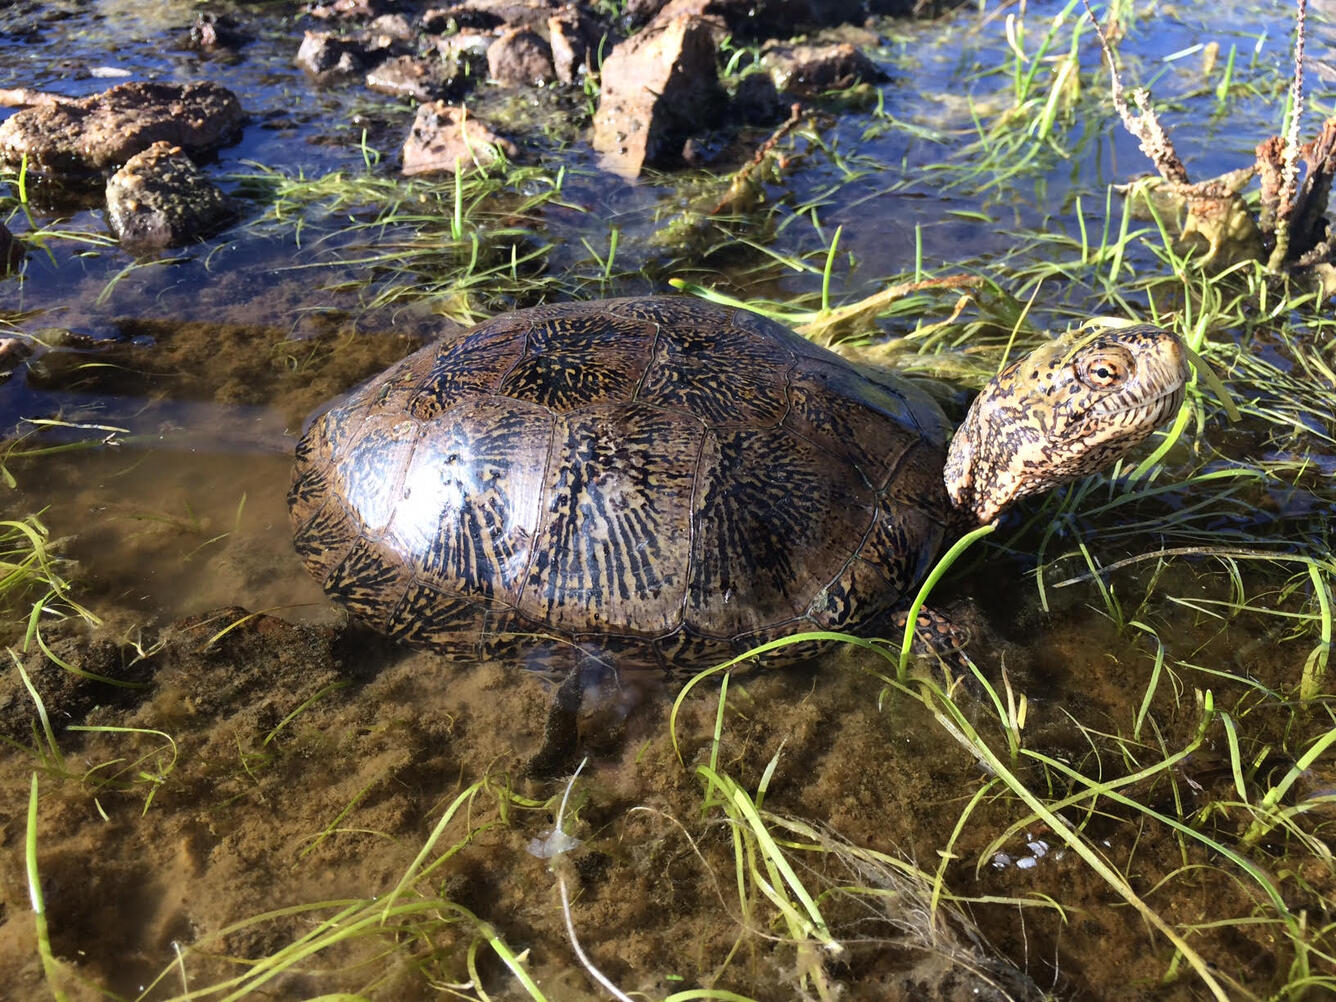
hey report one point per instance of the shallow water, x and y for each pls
(311, 760)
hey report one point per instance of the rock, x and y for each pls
(351, 10)
(658, 87)
(572, 36)
(423, 80)
(465, 53)
(12, 251)
(26, 97)
(212, 32)
(13, 350)
(160, 199)
(766, 18)
(643, 11)
(756, 101)
(394, 26)
(809, 69)
(520, 57)
(488, 15)
(446, 139)
(102, 131)
(467, 47)
(327, 56)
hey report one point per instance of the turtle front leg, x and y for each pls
(561, 733)
(935, 637)
(587, 714)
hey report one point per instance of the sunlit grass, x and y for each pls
(460, 244)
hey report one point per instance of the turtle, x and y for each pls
(664, 483)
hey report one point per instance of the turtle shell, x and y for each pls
(659, 481)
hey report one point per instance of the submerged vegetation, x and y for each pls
(1133, 791)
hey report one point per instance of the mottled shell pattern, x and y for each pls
(660, 482)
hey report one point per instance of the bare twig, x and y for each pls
(742, 192)
(1144, 124)
(1289, 171)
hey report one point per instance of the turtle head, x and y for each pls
(1069, 408)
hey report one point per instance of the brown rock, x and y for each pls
(658, 87)
(572, 36)
(78, 138)
(447, 139)
(160, 199)
(520, 57)
(488, 15)
(422, 80)
(349, 10)
(809, 69)
(394, 26)
(327, 56)
(761, 18)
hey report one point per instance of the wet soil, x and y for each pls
(307, 763)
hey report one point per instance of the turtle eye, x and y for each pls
(1105, 370)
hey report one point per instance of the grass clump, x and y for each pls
(34, 583)
(465, 246)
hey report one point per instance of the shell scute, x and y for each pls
(368, 473)
(869, 425)
(774, 517)
(723, 376)
(608, 552)
(467, 509)
(460, 370)
(575, 361)
(430, 616)
(323, 536)
(369, 581)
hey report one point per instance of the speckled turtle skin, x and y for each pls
(655, 482)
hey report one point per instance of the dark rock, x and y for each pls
(756, 100)
(489, 15)
(327, 56)
(780, 18)
(421, 79)
(211, 32)
(447, 139)
(573, 36)
(520, 57)
(160, 199)
(352, 10)
(809, 69)
(658, 87)
(12, 251)
(102, 131)
(643, 11)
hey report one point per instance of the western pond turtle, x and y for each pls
(663, 482)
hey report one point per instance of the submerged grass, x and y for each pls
(464, 245)
(34, 582)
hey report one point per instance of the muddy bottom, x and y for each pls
(250, 777)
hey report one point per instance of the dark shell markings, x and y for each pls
(669, 483)
(665, 479)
